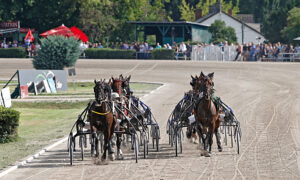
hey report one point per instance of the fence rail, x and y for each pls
(213, 53)
(284, 57)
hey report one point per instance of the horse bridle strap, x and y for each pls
(102, 114)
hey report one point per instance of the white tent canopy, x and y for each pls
(297, 39)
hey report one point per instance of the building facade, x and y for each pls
(245, 32)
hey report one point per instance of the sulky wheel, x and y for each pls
(180, 141)
(81, 144)
(157, 138)
(136, 147)
(176, 143)
(71, 148)
(145, 145)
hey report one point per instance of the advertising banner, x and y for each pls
(5, 97)
(28, 77)
(9, 25)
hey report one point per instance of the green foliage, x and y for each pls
(292, 30)
(12, 53)
(162, 54)
(187, 8)
(107, 53)
(222, 33)
(187, 12)
(9, 122)
(57, 52)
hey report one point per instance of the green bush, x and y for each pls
(9, 122)
(12, 53)
(107, 53)
(163, 54)
(57, 52)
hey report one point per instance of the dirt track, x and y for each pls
(264, 96)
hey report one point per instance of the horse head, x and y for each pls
(102, 91)
(207, 85)
(116, 84)
(126, 85)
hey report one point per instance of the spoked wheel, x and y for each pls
(238, 138)
(157, 138)
(81, 144)
(176, 143)
(135, 146)
(145, 143)
(231, 135)
(71, 148)
(225, 133)
(180, 141)
(238, 143)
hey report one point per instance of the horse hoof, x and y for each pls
(120, 157)
(207, 155)
(112, 157)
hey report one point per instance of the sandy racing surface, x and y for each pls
(265, 98)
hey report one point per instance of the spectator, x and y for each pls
(37, 46)
(113, 45)
(15, 44)
(100, 45)
(188, 50)
(168, 46)
(252, 52)
(182, 47)
(176, 51)
(239, 51)
(158, 46)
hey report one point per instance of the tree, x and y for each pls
(187, 9)
(275, 18)
(97, 19)
(222, 33)
(291, 31)
(187, 12)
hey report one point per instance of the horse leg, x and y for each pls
(210, 140)
(110, 149)
(194, 135)
(218, 139)
(119, 151)
(93, 136)
(96, 139)
(199, 131)
(106, 140)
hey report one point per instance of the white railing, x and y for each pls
(213, 53)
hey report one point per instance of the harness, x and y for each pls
(102, 114)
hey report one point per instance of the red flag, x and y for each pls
(29, 36)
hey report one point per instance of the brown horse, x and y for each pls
(116, 86)
(101, 117)
(206, 113)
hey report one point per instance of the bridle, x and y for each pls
(102, 95)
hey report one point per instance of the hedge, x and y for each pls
(12, 52)
(107, 53)
(163, 54)
(9, 122)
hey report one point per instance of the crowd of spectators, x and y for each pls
(143, 49)
(245, 52)
(258, 52)
(31, 48)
